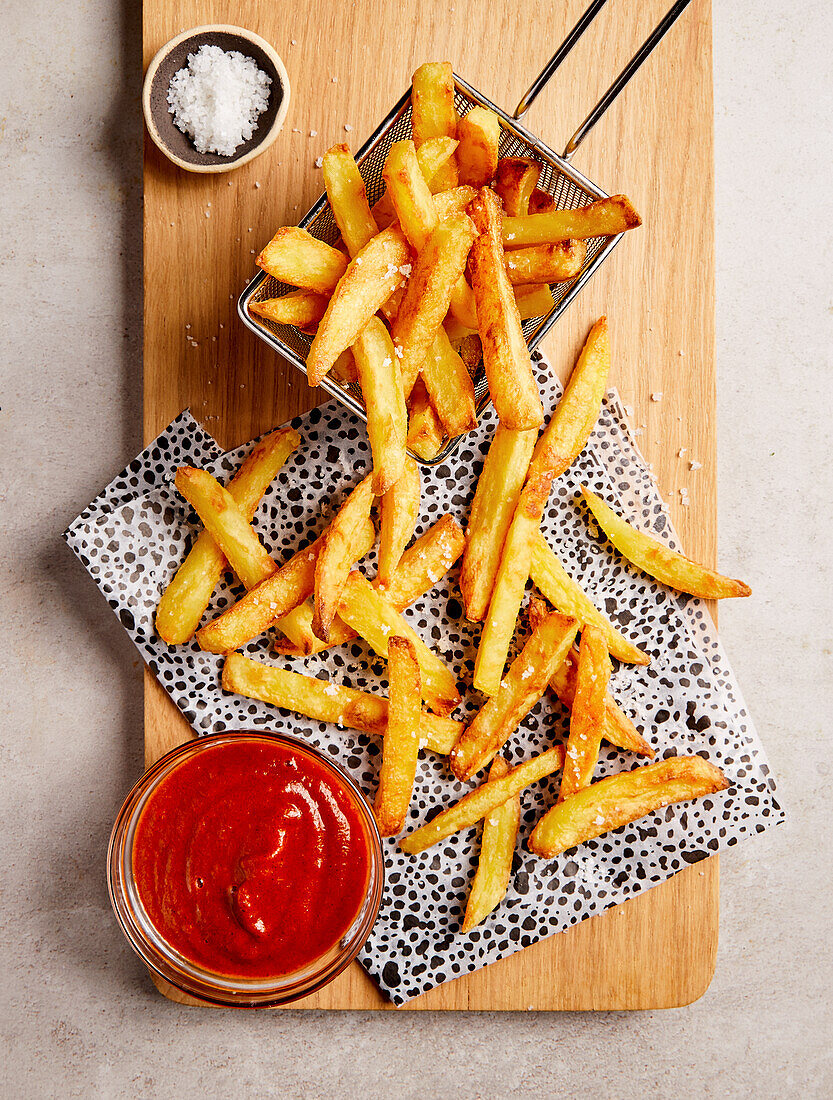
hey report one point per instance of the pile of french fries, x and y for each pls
(391, 308)
(435, 278)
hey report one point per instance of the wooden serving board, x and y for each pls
(348, 63)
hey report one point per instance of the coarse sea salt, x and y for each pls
(217, 99)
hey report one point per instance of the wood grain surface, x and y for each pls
(347, 65)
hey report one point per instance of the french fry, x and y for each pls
(497, 848)
(435, 273)
(301, 308)
(296, 257)
(410, 195)
(587, 716)
(540, 202)
(512, 384)
(498, 489)
(432, 156)
(510, 583)
(545, 263)
(421, 566)
(525, 683)
(570, 425)
(187, 596)
(387, 417)
(620, 799)
(482, 801)
(348, 198)
(453, 201)
(432, 102)
(449, 386)
(344, 368)
(273, 598)
(479, 135)
(390, 307)
(375, 618)
(425, 432)
(432, 111)
(603, 218)
(515, 180)
(425, 562)
(659, 561)
(398, 509)
(463, 306)
(619, 730)
(533, 301)
(371, 277)
(337, 556)
(553, 581)
(401, 745)
(226, 524)
(325, 701)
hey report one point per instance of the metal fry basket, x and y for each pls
(568, 187)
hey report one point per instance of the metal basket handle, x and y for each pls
(618, 84)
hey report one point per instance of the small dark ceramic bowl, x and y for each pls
(173, 56)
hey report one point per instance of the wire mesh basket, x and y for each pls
(567, 186)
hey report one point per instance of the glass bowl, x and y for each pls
(206, 985)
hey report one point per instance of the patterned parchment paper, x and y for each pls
(133, 536)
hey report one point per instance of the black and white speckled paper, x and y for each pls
(134, 535)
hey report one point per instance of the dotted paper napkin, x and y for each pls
(133, 536)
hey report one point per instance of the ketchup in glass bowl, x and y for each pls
(246, 869)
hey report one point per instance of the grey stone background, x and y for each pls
(78, 1016)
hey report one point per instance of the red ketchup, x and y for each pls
(251, 859)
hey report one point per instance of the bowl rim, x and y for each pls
(162, 959)
(268, 137)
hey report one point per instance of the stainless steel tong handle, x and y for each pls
(618, 84)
